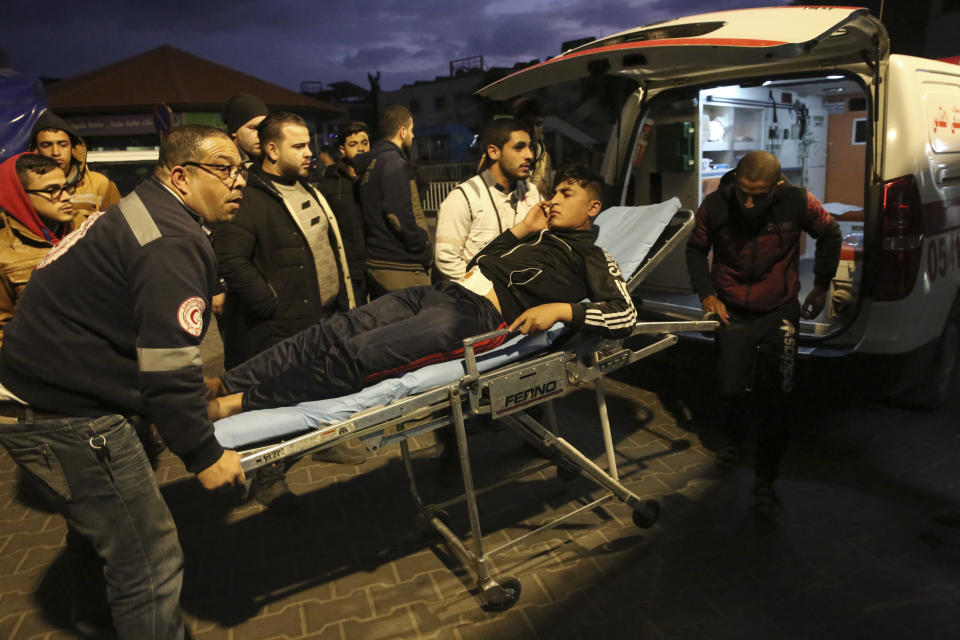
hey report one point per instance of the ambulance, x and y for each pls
(874, 136)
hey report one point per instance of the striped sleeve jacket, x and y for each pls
(559, 266)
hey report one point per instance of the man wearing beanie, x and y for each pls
(242, 114)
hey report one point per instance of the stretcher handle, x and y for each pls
(469, 353)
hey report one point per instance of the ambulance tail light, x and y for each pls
(901, 242)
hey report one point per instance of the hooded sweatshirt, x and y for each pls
(24, 239)
(95, 192)
(755, 261)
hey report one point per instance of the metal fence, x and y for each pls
(457, 171)
(436, 192)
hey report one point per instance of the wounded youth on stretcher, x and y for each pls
(221, 404)
(411, 328)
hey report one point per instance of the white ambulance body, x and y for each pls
(876, 137)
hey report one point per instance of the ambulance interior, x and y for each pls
(817, 127)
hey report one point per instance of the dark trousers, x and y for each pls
(120, 534)
(757, 376)
(398, 332)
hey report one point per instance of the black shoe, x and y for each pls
(729, 456)
(949, 516)
(270, 486)
(339, 454)
(765, 500)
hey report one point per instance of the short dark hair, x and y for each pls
(759, 166)
(584, 176)
(328, 149)
(498, 132)
(526, 109)
(185, 144)
(352, 129)
(271, 129)
(394, 117)
(33, 163)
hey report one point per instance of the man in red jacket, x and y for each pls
(753, 223)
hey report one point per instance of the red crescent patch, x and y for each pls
(190, 315)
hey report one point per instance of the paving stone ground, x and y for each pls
(855, 554)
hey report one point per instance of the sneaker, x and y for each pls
(765, 500)
(270, 486)
(949, 516)
(729, 456)
(339, 454)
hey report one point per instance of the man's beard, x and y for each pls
(292, 173)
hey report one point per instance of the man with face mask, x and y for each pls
(339, 184)
(753, 222)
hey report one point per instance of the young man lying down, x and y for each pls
(530, 277)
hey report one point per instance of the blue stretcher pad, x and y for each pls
(627, 233)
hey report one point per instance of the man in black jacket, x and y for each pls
(242, 114)
(398, 244)
(110, 328)
(339, 184)
(533, 275)
(282, 258)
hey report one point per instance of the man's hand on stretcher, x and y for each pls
(225, 473)
(713, 308)
(542, 317)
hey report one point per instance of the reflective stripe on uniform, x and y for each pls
(156, 360)
(139, 219)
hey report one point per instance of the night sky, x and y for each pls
(288, 41)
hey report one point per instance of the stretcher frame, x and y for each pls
(540, 379)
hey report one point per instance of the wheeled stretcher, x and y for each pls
(504, 384)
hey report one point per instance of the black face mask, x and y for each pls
(761, 204)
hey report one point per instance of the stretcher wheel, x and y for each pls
(500, 596)
(567, 474)
(647, 516)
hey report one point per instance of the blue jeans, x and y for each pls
(113, 508)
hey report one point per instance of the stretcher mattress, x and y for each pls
(627, 233)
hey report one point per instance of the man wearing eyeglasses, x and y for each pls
(283, 261)
(753, 223)
(109, 328)
(35, 213)
(53, 137)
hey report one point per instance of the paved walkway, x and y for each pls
(855, 554)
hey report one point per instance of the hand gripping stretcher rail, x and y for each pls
(503, 384)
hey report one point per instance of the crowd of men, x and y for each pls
(313, 271)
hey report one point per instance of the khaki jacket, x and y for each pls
(20, 252)
(94, 193)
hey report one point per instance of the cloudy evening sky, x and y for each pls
(287, 41)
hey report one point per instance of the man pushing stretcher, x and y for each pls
(532, 276)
